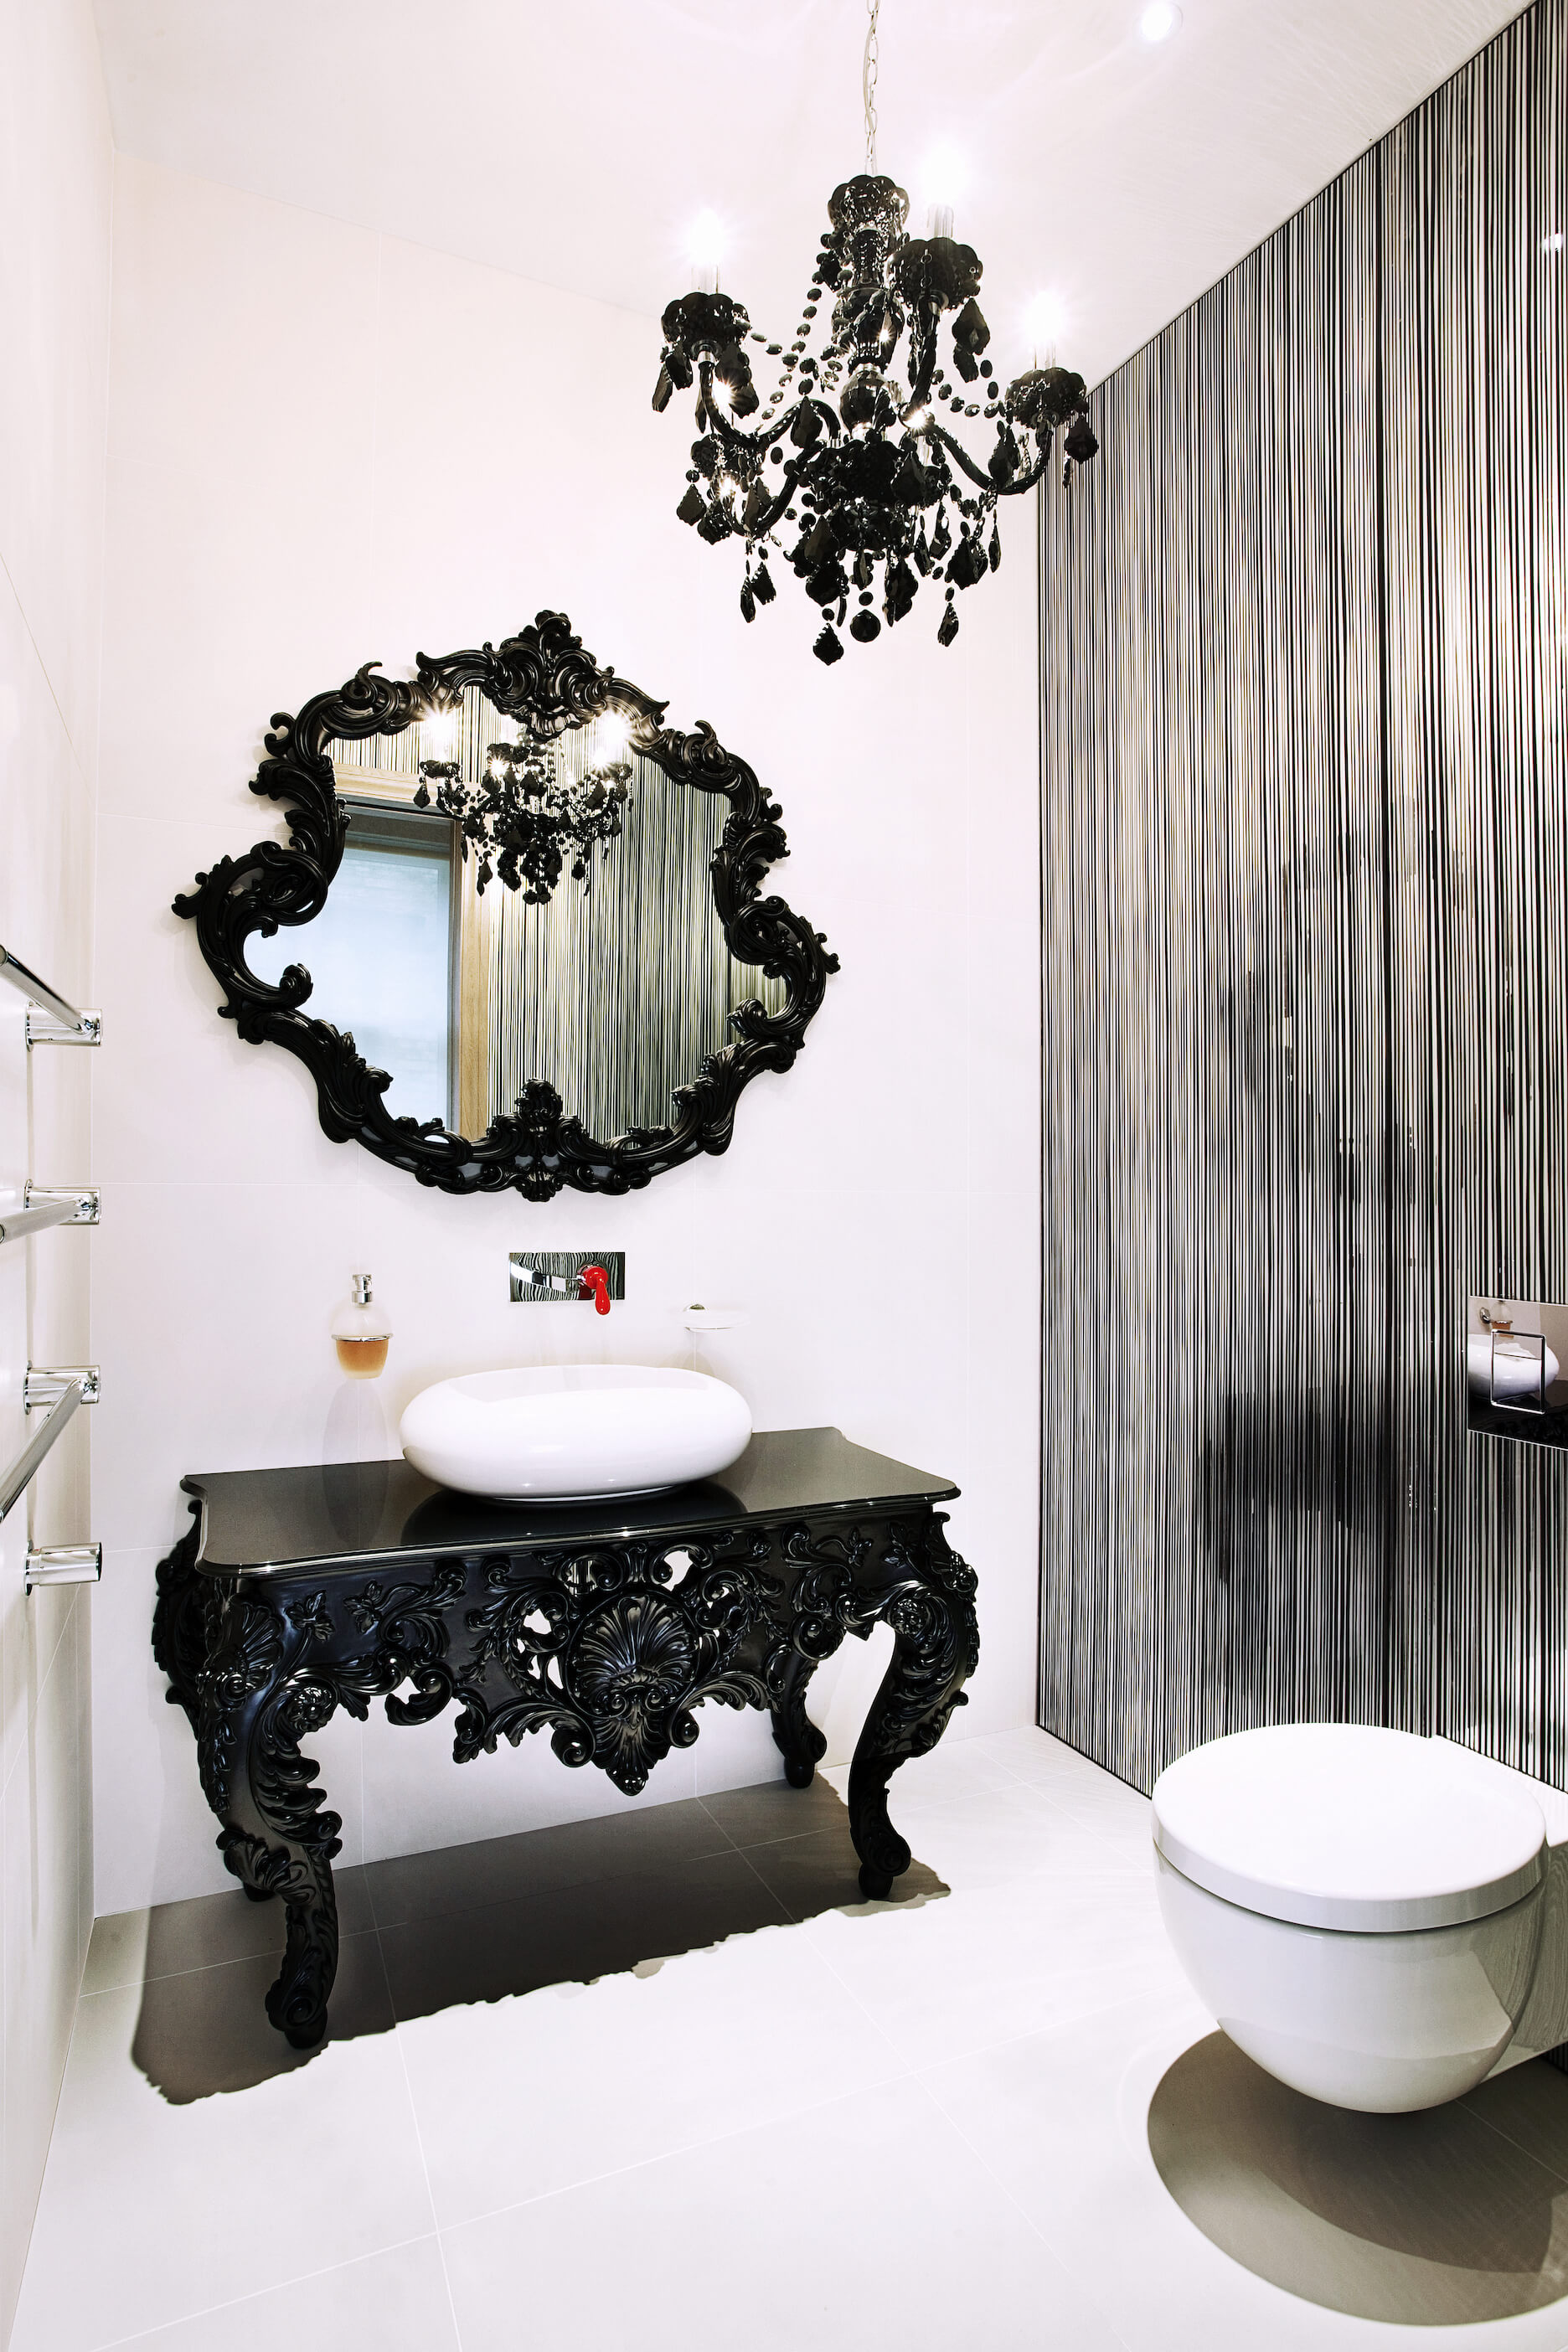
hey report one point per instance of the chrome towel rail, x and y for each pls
(15, 1481)
(50, 1019)
(75, 1204)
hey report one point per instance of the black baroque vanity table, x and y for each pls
(295, 1593)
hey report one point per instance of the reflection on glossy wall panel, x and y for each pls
(1306, 651)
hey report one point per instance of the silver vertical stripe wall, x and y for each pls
(1306, 965)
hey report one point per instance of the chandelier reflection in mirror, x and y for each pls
(883, 493)
(522, 817)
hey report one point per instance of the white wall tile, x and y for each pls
(54, 221)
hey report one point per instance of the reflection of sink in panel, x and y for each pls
(563, 1433)
(1516, 1373)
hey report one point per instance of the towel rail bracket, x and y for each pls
(64, 1564)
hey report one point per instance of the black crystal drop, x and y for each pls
(827, 647)
(864, 628)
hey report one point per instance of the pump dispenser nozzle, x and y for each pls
(360, 1333)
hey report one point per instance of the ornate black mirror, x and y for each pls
(536, 950)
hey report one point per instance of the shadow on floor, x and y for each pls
(427, 1932)
(1456, 2214)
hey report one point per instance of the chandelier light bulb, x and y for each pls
(705, 250)
(1159, 20)
(945, 177)
(1044, 320)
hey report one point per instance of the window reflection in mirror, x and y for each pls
(383, 954)
(614, 988)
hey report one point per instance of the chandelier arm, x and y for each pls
(976, 474)
(1022, 482)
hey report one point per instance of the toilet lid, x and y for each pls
(1338, 1825)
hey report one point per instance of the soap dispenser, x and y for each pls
(361, 1333)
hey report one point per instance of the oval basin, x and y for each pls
(565, 1432)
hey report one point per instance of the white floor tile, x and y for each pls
(526, 2095)
(1018, 1831)
(1062, 2119)
(177, 2204)
(394, 2302)
(865, 2225)
(1004, 1959)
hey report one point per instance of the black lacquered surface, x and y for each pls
(340, 1514)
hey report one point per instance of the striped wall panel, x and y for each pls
(1305, 1002)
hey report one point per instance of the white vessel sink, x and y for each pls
(567, 1433)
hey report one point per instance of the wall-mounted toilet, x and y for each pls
(1374, 1918)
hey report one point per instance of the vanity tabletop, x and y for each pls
(342, 1514)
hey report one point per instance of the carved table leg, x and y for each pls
(936, 1648)
(276, 1837)
(796, 1736)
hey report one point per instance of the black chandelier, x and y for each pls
(882, 491)
(524, 818)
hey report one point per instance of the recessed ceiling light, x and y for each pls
(1159, 20)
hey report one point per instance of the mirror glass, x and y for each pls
(597, 963)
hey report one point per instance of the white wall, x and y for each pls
(326, 445)
(54, 216)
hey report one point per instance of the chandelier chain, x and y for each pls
(868, 65)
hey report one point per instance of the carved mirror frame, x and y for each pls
(543, 677)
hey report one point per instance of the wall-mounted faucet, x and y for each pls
(563, 1277)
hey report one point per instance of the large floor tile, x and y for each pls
(203, 1931)
(417, 1887)
(206, 2031)
(176, 2202)
(569, 2083)
(1020, 1831)
(1002, 1960)
(1063, 2119)
(866, 2223)
(574, 1936)
(822, 1872)
(765, 1816)
(395, 2302)
(1428, 2219)
(1030, 1754)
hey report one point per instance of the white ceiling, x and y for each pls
(576, 141)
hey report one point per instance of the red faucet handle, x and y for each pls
(595, 1285)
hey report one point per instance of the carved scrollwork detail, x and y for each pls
(412, 1641)
(180, 1620)
(544, 677)
(244, 1645)
(601, 1646)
